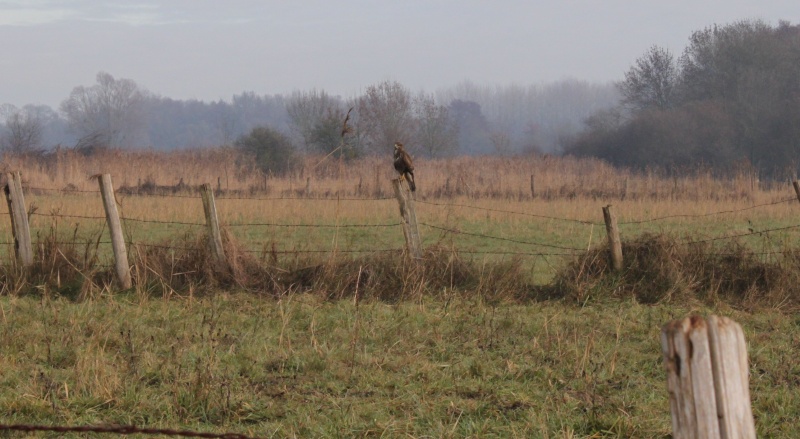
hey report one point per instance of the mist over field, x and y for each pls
(648, 85)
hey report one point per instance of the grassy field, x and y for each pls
(304, 367)
(513, 328)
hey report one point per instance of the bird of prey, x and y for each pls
(403, 165)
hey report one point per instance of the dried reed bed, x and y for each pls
(519, 177)
(480, 196)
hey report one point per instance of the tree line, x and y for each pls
(464, 119)
(731, 98)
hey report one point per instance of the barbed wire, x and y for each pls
(313, 225)
(180, 223)
(511, 212)
(384, 250)
(740, 235)
(382, 198)
(119, 429)
(66, 191)
(701, 215)
(65, 215)
(460, 232)
(506, 253)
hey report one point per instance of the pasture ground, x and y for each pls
(447, 363)
(300, 366)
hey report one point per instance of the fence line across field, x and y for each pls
(409, 224)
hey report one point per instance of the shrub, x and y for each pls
(272, 151)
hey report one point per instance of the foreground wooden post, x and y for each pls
(19, 219)
(796, 185)
(614, 243)
(707, 379)
(115, 229)
(409, 219)
(212, 221)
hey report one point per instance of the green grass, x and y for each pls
(303, 367)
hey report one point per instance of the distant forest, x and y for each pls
(731, 99)
(464, 119)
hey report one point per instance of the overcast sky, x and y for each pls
(212, 50)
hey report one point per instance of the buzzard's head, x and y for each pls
(398, 145)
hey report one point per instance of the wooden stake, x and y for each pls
(409, 219)
(796, 185)
(212, 221)
(533, 188)
(19, 219)
(707, 379)
(115, 230)
(614, 243)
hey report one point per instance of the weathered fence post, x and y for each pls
(796, 185)
(533, 188)
(212, 221)
(409, 219)
(614, 243)
(707, 379)
(19, 219)
(115, 230)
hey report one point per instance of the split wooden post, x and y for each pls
(614, 243)
(796, 185)
(19, 219)
(409, 219)
(212, 221)
(115, 230)
(707, 379)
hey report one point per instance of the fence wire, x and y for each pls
(702, 215)
(534, 215)
(120, 430)
(570, 250)
(460, 232)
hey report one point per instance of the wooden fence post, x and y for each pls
(796, 185)
(614, 243)
(212, 221)
(19, 219)
(115, 230)
(533, 188)
(409, 219)
(707, 379)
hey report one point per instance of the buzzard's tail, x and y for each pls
(411, 183)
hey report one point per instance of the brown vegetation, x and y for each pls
(520, 177)
(657, 267)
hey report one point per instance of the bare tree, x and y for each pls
(437, 132)
(385, 116)
(309, 113)
(652, 81)
(23, 131)
(109, 113)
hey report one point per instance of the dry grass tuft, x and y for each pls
(659, 268)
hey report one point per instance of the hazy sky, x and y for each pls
(212, 50)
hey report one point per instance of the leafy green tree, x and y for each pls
(271, 150)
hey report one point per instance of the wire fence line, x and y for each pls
(568, 250)
(480, 235)
(467, 206)
(702, 215)
(120, 430)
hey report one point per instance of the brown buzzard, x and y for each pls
(403, 165)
